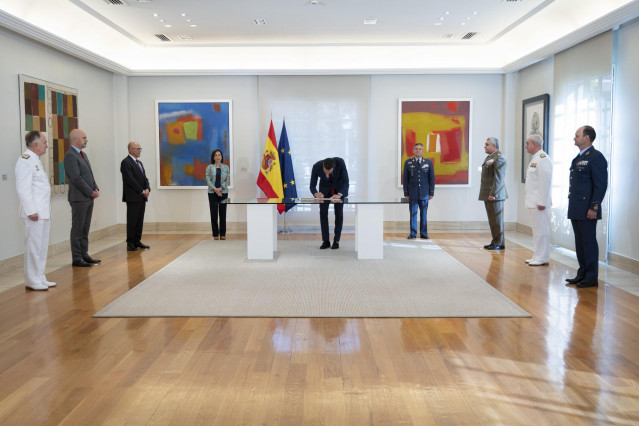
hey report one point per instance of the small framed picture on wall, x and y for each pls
(534, 122)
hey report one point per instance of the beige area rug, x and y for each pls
(214, 278)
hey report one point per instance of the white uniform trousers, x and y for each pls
(540, 220)
(36, 245)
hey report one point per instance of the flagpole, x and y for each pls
(285, 229)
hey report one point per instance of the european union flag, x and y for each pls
(288, 175)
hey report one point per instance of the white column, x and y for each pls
(261, 231)
(369, 231)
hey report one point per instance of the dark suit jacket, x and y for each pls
(340, 179)
(133, 180)
(419, 181)
(79, 176)
(588, 184)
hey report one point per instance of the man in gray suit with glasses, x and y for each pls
(82, 191)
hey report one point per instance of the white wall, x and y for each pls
(449, 204)
(624, 164)
(95, 104)
(533, 81)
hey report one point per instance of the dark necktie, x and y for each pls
(330, 178)
(140, 166)
(82, 155)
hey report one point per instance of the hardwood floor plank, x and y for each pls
(573, 362)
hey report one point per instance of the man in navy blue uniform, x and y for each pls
(419, 188)
(333, 183)
(588, 184)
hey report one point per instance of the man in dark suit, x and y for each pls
(82, 191)
(333, 184)
(588, 184)
(419, 188)
(135, 193)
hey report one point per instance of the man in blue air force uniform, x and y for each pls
(419, 188)
(588, 184)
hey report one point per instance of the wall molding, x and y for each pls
(623, 262)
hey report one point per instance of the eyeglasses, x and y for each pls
(137, 149)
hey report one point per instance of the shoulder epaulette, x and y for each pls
(26, 156)
(542, 155)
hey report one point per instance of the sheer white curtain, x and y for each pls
(326, 116)
(583, 95)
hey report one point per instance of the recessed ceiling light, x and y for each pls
(447, 13)
(438, 23)
(168, 25)
(183, 14)
(193, 25)
(161, 20)
(259, 21)
(463, 23)
(188, 20)
(475, 13)
(469, 18)
(155, 15)
(372, 21)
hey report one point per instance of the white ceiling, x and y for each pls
(312, 36)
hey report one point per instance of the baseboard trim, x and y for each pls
(524, 229)
(15, 262)
(623, 262)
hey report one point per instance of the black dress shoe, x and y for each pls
(424, 237)
(410, 237)
(325, 245)
(335, 245)
(89, 259)
(82, 263)
(492, 247)
(142, 246)
(131, 247)
(588, 283)
(574, 280)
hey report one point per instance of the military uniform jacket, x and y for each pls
(493, 177)
(538, 181)
(32, 184)
(79, 175)
(419, 180)
(588, 184)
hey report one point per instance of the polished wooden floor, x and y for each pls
(576, 361)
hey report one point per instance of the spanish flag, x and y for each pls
(269, 180)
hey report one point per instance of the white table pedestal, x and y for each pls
(369, 231)
(261, 230)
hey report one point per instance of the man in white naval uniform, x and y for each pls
(538, 199)
(34, 191)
